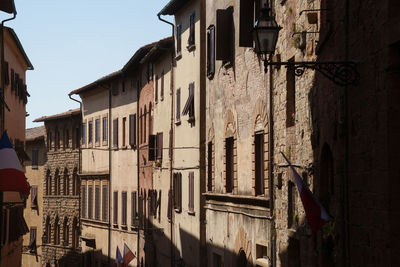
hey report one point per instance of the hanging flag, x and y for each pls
(315, 212)
(128, 255)
(118, 258)
(12, 177)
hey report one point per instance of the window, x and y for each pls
(191, 193)
(178, 40)
(75, 183)
(123, 131)
(178, 105)
(48, 183)
(149, 71)
(104, 129)
(35, 158)
(224, 34)
(115, 207)
(66, 138)
(124, 207)
(141, 127)
(48, 230)
(56, 231)
(104, 203)
(77, 137)
(259, 163)
(144, 124)
(133, 208)
(217, 261)
(115, 132)
(65, 232)
(49, 140)
(152, 147)
(90, 202)
(290, 95)
(159, 151)
(97, 131)
(156, 90)
(210, 166)
(66, 182)
(249, 11)
(191, 39)
(162, 86)
(75, 233)
(6, 76)
(211, 51)
(84, 199)
(169, 203)
(34, 193)
(178, 192)
(97, 203)
(90, 129)
(32, 240)
(57, 183)
(189, 106)
(291, 204)
(83, 134)
(229, 164)
(57, 139)
(132, 130)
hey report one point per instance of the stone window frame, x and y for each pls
(211, 139)
(65, 226)
(105, 141)
(57, 182)
(66, 182)
(100, 130)
(48, 184)
(260, 124)
(230, 131)
(90, 144)
(47, 228)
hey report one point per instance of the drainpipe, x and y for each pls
(109, 174)
(138, 175)
(172, 135)
(2, 122)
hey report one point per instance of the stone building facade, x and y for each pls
(61, 201)
(34, 170)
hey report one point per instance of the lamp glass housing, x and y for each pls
(265, 34)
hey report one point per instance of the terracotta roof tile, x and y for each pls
(35, 133)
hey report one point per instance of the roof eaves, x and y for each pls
(20, 47)
(172, 7)
(8, 6)
(96, 83)
(69, 113)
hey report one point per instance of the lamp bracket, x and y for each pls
(312, 10)
(342, 73)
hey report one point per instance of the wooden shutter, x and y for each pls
(224, 34)
(115, 132)
(97, 202)
(229, 164)
(133, 208)
(178, 39)
(159, 205)
(152, 147)
(246, 23)
(124, 207)
(191, 105)
(191, 29)
(211, 51)
(34, 192)
(90, 202)
(210, 166)
(162, 86)
(35, 157)
(175, 188)
(115, 205)
(12, 80)
(178, 105)
(191, 192)
(259, 163)
(83, 210)
(180, 191)
(6, 76)
(156, 90)
(104, 203)
(159, 146)
(132, 130)
(169, 204)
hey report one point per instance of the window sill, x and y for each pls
(178, 123)
(192, 213)
(178, 210)
(178, 56)
(191, 119)
(115, 225)
(210, 76)
(35, 167)
(191, 47)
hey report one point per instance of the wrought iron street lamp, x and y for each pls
(265, 35)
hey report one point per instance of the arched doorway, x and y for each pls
(242, 259)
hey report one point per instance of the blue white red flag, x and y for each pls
(118, 258)
(12, 177)
(315, 212)
(128, 255)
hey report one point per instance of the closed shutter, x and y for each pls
(159, 205)
(191, 33)
(162, 86)
(175, 188)
(211, 51)
(169, 204)
(229, 164)
(133, 208)
(159, 146)
(224, 34)
(104, 205)
(6, 76)
(83, 210)
(34, 192)
(178, 105)
(115, 132)
(191, 192)
(210, 166)
(115, 201)
(178, 39)
(12, 80)
(152, 147)
(140, 208)
(170, 143)
(156, 90)
(124, 207)
(132, 130)
(97, 203)
(180, 191)
(90, 202)
(191, 106)
(246, 23)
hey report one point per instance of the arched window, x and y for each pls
(57, 182)
(65, 232)
(150, 120)
(48, 183)
(141, 127)
(75, 183)
(75, 233)
(66, 182)
(57, 231)
(48, 231)
(49, 140)
(144, 124)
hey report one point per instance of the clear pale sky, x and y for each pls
(72, 43)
